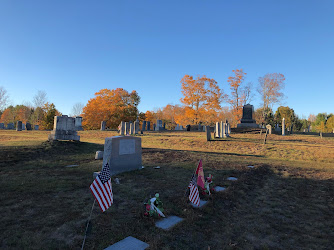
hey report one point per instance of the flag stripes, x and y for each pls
(194, 194)
(102, 189)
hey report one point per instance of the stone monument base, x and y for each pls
(64, 135)
(247, 125)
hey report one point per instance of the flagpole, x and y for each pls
(83, 243)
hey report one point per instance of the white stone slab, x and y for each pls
(129, 243)
(202, 203)
(169, 222)
(219, 189)
(232, 178)
(250, 166)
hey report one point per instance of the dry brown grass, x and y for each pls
(285, 202)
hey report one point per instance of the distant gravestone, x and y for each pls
(136, 127)
(2, 125)
(247, 120)
(269, 129)
(217, 130)
(122, 153)
(28, 126)
(131, 129)
(19, 126)
(143, 128)
(10, 125)
(188, 128)
(164, 127)
(127, 128)
(103, 125)
(208, 133)
(99, 155)
(283, 126)
(23, 126)
(78, 123)
(64, 129)
(154, 126)
(148, 126)
(36, 127)
(159, 126)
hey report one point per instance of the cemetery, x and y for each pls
(257, 192)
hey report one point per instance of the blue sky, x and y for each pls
(72, 49)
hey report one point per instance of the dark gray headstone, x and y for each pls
(148, 126)
(36, 127)
(19, 126)
(247, 117)
(2, 125)
(143, 128)
(28, 126)
(208, 133)
(10, 125)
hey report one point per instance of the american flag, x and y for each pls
(194, 194)
(102, 189)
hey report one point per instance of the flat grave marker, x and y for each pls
(128, 243)
(169, 222)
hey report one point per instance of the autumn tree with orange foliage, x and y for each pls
(112, 106)
(238, 96)
(202, 96)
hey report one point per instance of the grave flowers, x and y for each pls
(154, 207)
(208, 182)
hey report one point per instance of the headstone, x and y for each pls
(177, 127)
(2, 125)
(219, 189)
(168, 223)
(269, 128)
(154, 126)
(131, 128)
(159, 126)
(127, 128)
(128, 243)
(23, 126)
(19, 126)
(188, 127)
(122, 128)
(10, 125)
(200, 127)
(99, 155)
(247, 120)
(217, 134)
(181, 128)
(308, 129)
(122, 153)
(103, 125)
(283, 126)
(148, 126)
(223, 130)
(232, 178)
(36, 127)
(227, 125)
(143, 128)
(78, 123)
(28, 126)
(136, 127)
(164, 126)
(208, 133)
(201, 204)
(64, 129)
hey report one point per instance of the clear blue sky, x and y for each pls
(72, 49)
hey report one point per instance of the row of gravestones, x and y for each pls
(222, 129)
(19, 126)
(130, 128)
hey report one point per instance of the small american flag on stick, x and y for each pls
(102, 189)
(194, 194)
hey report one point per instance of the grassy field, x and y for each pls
(285, 202)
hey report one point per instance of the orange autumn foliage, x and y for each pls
(201, 95)
(112, 106)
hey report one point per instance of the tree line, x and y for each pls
(201, 103)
